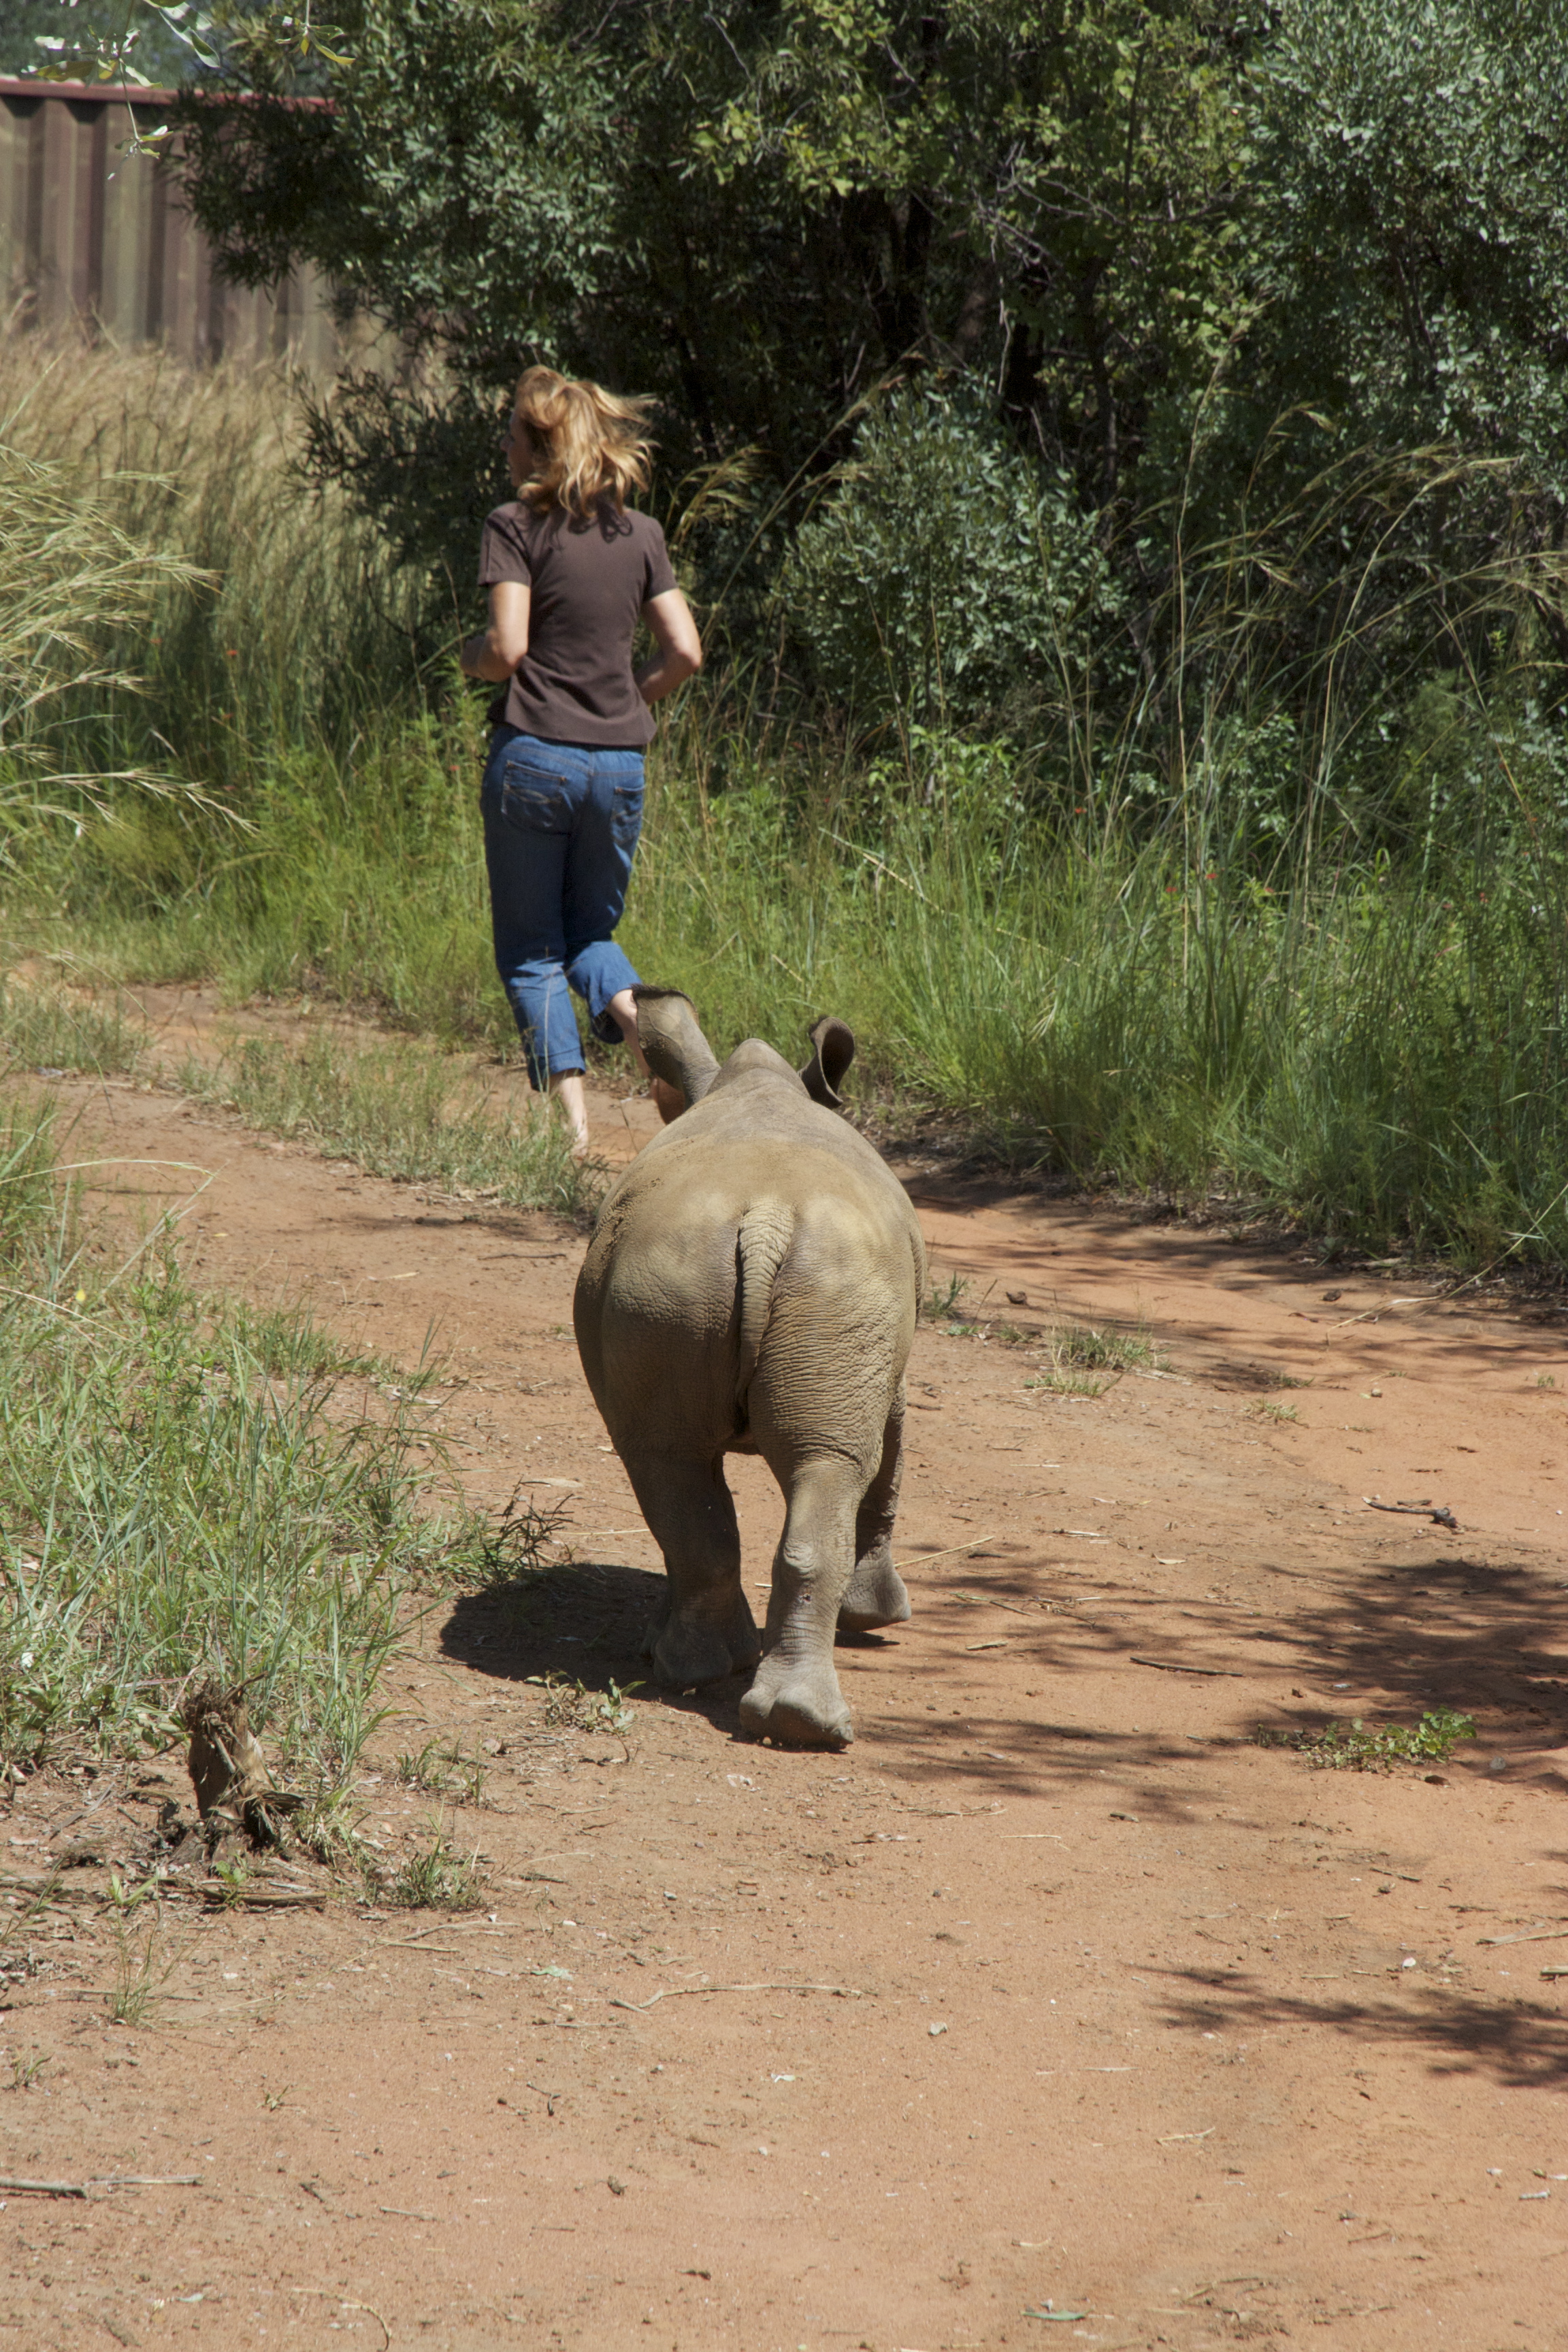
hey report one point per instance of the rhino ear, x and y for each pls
(832, 1051)
(674, 1046)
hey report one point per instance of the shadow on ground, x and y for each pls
(1520, 2043)
(1396, 1637)
(586, 1620)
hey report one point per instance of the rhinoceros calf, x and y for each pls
(752, 1287)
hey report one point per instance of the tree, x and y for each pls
(756, 212)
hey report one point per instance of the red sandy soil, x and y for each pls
(1055, 2009)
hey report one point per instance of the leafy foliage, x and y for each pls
(945, 576)
(1356, 1748)
(1413, 187)
(756, 215)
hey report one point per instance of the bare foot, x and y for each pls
(566, 1089)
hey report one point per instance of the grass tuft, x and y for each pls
(440, 1879)
(393, 1108)
(443, 1769)
(1358, 1748)
(1085, 1360)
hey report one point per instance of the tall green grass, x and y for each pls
(1194, 943)
(396, 1109)
(186, 1488)
(1383, 1059)
(263, 617)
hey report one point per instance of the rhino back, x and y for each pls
(825, 1236)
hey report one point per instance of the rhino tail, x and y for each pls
(761, 1240)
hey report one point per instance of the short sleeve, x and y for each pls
(503, 550)
(658, 574)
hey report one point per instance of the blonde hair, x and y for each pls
(590, 441)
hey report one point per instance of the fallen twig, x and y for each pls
(1438, 1513)
(241, 1898)
(1534, 1935)
(926, 1560)
(42, 2188)
(675, 1992)
(1234, 1674)
(146, 2181)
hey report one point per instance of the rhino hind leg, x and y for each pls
(876, 1594)
(794, 1700)
(704, 1628)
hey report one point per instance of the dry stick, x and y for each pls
(43, 2188)
(1535, 1935)
(1232, 1674)
(676, 1993)
(1438, 1513)
(925, 1559)
(147, 2180)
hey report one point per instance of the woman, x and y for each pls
(571, 569)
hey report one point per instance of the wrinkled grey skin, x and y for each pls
(752, 1287)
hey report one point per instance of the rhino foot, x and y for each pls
(876, 1597)
(796, 1706)
(687, 1648)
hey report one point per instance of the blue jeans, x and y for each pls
(561, 822)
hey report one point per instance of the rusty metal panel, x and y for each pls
(91, 233)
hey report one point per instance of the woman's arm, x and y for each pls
(495, 652)
(680, 654)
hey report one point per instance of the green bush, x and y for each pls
(945, 578)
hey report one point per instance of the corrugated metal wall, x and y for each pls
(90, 231)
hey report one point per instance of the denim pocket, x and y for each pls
(626, 816)
(536, 799)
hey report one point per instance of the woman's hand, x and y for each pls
(680, 654)
(495, 652)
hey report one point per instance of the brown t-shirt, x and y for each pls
(589, 581)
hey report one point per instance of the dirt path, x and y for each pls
(1056, 2007)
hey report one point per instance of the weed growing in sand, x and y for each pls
(26, 2068)
(142, 1965)
(142, 1970)
(234, 1877)
(442, 1768)
(941, 1300)
(569, 1706)
(1085, 1360)
(491, 1553)
(440, 1879)
(1355, 1748)
(390, 1108)
(1265, 1409)
(186, 1490)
